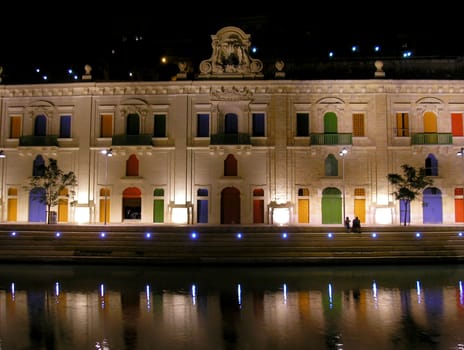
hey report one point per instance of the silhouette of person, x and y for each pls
(347, 224)
(356, 225)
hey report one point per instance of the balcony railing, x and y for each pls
(230, 139)
(31, 141)
(331, 139)
(432, 139)
(131, 140)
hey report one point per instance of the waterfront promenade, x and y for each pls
(224, 244)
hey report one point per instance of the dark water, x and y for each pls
(135, 307)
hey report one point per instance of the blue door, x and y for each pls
(432, 209)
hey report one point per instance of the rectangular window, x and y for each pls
(159, 125)
(358, 124)
(106, 127)
(15, 127)
(65, 126)
(302, 124)
(258, 125)
(202, 125)
(456, 124)
(402, 124)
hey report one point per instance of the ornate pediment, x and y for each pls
(231, 56)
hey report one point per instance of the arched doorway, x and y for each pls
(230, 206)
(331, 206)
(132, 203)
(432, 209)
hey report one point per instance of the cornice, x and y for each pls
(236, 87)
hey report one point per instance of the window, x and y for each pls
(303, 206)
(40, 125)
(358, 124)
(431, 165)
(456, 124)
(330, 123)
(430, 122)
(133, 124)
(202, 206)
(202, 125)
(159, 125)
(230, 166)
(15, 127)
(402, 124)
(258, 126)
(258, 206)
(65, 126)
(331, 166)
(230, 123)
(158, 205)
(106, 127)
(302, 124)
(132, 166)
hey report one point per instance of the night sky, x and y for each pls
(135, 37)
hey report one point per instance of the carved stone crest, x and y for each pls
(231, 56)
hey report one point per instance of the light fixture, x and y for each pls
(342, 154)
(2, 154)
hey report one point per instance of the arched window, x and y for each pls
(230, 123)
(230, 166)
(331, 166)
(40, 125)
(431, 165)
(133, 124)
(330, 123)
(132, 166)
(38, 166)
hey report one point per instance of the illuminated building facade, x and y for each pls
(233, 148)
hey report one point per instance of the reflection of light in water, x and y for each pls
(147, 291)
(57, 291)
(418, 292)
(461, 294)
(194, 294)
(103, 345)
(330, 296)
(374, 294)
(285, 293)
(239, 295)
(102, 296)
(13, 292)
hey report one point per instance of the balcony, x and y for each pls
(132, 140)
(331, 139)
(38, 141)
(230, 139)
(432, 139)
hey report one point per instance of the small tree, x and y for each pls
(50, 183)
(409, 186)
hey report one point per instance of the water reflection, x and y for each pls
(134, 307)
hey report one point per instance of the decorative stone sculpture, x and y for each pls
(231, 56)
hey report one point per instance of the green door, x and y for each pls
(331, 206)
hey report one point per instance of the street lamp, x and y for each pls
(342, 154)
(107, 153)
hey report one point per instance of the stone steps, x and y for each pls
(219, 244)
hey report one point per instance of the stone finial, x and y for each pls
(183, 67)
(279, 65)
(379, 73)
(88, 72)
